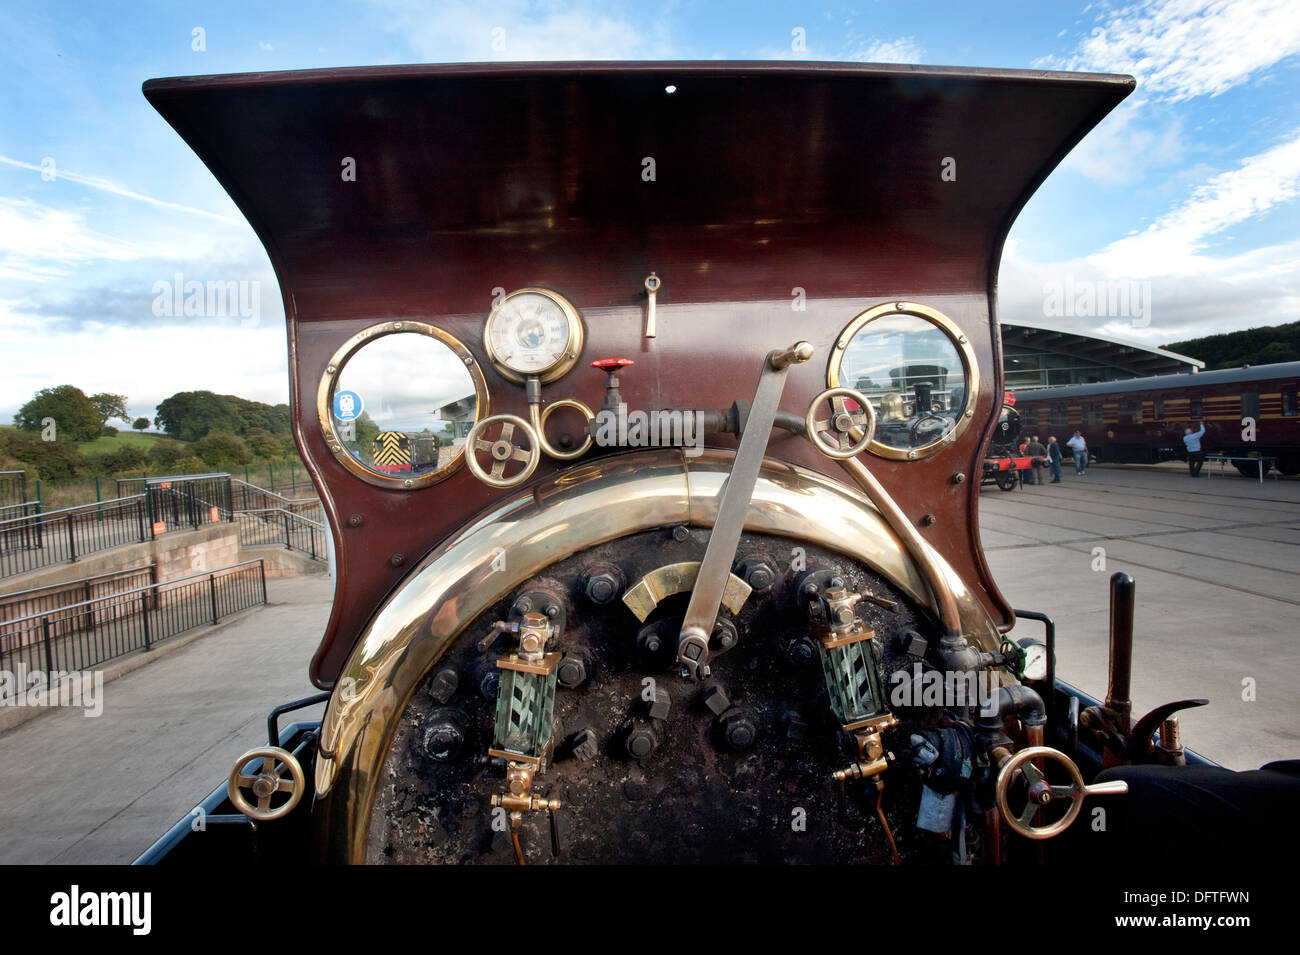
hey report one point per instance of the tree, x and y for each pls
(222, 449)
(75, 417)
(140, 424)
(189, 415)
(109, 407)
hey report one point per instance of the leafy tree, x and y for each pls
(140, 424)
(189, 415)
(263, 444)
(125, 458)
(1253, 346)
(222, 449)
(75, 417)
(109, 407)
(165, 453)
(52, 460)
(367, 431)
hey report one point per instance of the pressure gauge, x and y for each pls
(533, 331)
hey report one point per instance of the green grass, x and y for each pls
(105, 443)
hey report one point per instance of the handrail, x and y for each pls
(67, 585)
(67, 511)
(135, 590)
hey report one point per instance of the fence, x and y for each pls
(276, 525)
(57, 537)
(13, 489)
(41, 600)
(83, 635)
(250, 497)
(176, 502)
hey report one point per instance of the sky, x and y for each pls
(1185, 196)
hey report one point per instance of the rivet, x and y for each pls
(355, 520)
(331, 369)
(407, 483)
(397, 560)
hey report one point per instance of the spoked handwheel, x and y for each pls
(845, 434)
(266, 783)
(1040, 793)
(502, 449)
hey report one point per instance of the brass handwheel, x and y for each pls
(842, 425)
(266, 782)
(1042, 793)
(502, 449)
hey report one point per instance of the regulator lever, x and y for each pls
(715, 569)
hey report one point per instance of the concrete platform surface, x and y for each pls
(101, 790)
(1217, 566)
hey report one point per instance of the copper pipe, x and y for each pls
(993, 836)
(880, 811)
(945, 602)
(519, 850)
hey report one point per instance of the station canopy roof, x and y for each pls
(1128, 359)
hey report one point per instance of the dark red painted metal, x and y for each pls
(768, 177)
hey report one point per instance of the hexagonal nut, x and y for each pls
(640, 741)
(585, 744)
(650, 640)
(443, 686)
(444, 736)
(912, 643)
(738, 729)
(714, 698)
(602, 588)
(572, 670)
(758, 572)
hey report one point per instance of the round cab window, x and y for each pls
(917, 370)
(397, 402)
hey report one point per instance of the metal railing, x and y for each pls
(250, 497)
(39, 600)
(57, 537)
(275, 525)
(13, 488)
(83, 635)
(190, 501)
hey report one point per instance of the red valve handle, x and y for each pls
(605, 364)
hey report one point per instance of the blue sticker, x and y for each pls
(347, 405)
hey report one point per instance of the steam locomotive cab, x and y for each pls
(698, 577)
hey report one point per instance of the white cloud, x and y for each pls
(38, 243)
(1110, 154)
(1175, 243)
(105, 185)
(262, 45)
(903, 49)
(1179, 49)
(519, 30)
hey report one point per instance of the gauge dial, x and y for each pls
(533, 332)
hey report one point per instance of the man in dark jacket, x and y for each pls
(1054, 458)
(1035, 450)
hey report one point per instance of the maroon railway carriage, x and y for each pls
(1141, 420)
(690, 604)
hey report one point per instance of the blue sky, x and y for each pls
(1191, 186)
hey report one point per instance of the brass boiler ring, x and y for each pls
(539, 419)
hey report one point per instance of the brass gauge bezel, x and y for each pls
(964, 349)
(329, 380)
(571, 354)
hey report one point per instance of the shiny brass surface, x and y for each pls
(970, 365)
(572, 510)
(539, 418)
(325, 402)
(643, 596)
(266, 783)
(571, 354)
(543, 667)
(1041, 792)
(652, 285)
(503, 449)
(815, 428)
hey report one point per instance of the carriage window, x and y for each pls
(1250, 405)
(1195, 410)
(1060, 414)
(1129, 409)
(910, 366)
(1290, 404)
(401, 403)
(1092, 412)
(1158, 410)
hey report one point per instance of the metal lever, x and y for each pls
(715, 569)
(652, 284)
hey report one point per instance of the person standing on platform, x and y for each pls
(1195, 456)
(1054, 458)
(1036, 452)
(1079, 447)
